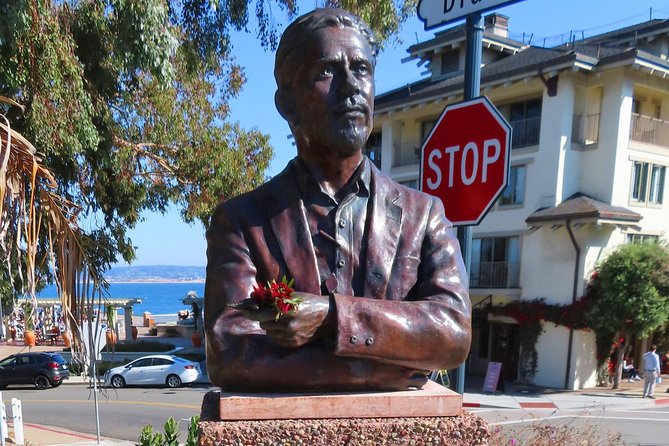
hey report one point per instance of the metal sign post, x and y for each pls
(435, 13)
(472, 90)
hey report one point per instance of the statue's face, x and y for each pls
(334, 95)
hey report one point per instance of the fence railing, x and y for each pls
(526, 132)
(649, 130)
(585, 129)
(494, 275)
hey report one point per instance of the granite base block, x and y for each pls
(463, 430)
(430, 416)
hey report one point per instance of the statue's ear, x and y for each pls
(284, 104)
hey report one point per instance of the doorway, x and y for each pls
(504, 348)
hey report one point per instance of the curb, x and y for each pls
(61, 432)
(485, 406)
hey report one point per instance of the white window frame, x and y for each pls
(647, 190)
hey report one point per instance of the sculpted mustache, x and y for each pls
(355, 102)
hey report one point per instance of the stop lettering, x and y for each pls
(465, 159)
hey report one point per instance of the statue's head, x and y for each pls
(324, 71)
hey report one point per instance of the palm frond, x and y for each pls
(32, 215)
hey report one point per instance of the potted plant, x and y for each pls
(29, 336)
(111, 332)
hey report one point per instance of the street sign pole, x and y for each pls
(472, 90)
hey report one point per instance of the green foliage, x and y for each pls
(149, 438)
(193, 431)
(128, 103)
(171, 434)
(110, 314)
(528, 335)
(144, 346)
(629, 291)
(191, 356)
(384, 17)
(28, 315)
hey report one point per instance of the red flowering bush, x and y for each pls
(278, 296)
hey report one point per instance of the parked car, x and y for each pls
(167, 370)
(42, 369)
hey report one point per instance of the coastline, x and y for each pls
(160, 280)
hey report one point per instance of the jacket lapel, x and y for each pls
(384, 222)
(288, 220)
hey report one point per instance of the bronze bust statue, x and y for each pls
(384, 290)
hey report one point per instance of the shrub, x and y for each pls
(192, 356)
(170, 435)
(143, 346)
(559, 434)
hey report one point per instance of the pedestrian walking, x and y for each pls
(651, 363)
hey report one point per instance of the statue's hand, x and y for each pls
(313, 320)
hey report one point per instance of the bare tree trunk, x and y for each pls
(618, 372)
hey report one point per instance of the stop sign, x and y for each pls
(465, 159)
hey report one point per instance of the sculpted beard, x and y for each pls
(350, 139)
(349, 134)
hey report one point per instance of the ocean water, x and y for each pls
(157, 298)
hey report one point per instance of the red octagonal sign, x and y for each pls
(465, 159)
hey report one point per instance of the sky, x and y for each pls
(553, 20)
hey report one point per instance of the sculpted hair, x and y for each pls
(299, 33)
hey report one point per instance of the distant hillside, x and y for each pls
(156, 273)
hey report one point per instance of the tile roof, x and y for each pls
(596, 51)
(582, 206)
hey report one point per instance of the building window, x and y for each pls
(450, 61)
(373, 148)
(648, 183)
(514, 192)
(525, 118)
(425, 128)
(495, 262)
(642, 238)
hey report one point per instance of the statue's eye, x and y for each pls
(326, 71)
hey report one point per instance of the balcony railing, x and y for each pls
(585, 129)
(406, 154)
(649, 130)
(495, 275)
(526, 132)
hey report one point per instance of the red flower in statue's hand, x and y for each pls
(278, 296)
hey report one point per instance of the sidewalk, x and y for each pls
(627, 396)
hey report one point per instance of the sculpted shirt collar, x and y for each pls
(358, 184)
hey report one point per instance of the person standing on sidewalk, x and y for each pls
(652, 366)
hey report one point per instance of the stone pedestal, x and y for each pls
(432, 415)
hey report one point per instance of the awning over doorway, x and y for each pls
(581, 209)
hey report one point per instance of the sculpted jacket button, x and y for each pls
(341, 263)
(354, 339)
(369, 341)
(342, 223)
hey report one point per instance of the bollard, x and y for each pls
(17, 416)
(4, 430)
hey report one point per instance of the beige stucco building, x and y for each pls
(588, 163)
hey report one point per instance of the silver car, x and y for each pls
(167, 370)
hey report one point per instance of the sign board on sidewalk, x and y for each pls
(465, 159)
(492, 376)
(434, 13)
